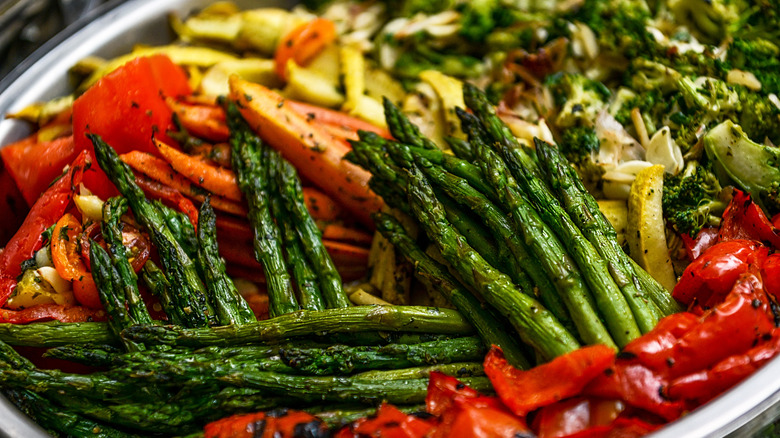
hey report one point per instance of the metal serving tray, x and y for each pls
(114, 28)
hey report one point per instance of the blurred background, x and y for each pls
(26, 24)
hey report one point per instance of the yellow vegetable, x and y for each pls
(308, 85)
(260, 71)
(352, 67)
(450, 92)
(646, 228)
(616, 212)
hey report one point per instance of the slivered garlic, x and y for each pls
(662, 149)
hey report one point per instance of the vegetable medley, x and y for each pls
(400, 218)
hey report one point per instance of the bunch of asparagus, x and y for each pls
(516, 228)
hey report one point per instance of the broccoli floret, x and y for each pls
(710, 95)
(709, 20)
(620, 25)
(417, 57)
(578, 98)
(647, 75)
(758, 116)
(408, 8)
(753, 167)
(690, 199)
(477, 19)
(760, 57)
(758, 19)
(653, 106)
(580, 145)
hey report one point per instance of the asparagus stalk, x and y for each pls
(110, 290)
(229, 306)
(342, 359)
(160, 287)
(660, 296)
(59, 420)
(54, 334)
(306, 323)
(178, 266)
(309, 295)
(113, 209)
(402, 129)
(435, 276)
(547, 250)
(535, 324)
(246, 157)
(180, 226)
(584, 209)
(461, 148)
(310, 236)
(87, 354)
(609, 298)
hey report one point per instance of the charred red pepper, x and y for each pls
(46, 211)
(707, 237)
(572, 416)
(279, 423)
(564, 376)
(481, 416)
(442, 389)
(388, 422)
(126, 108)
(47, 312)
(744, 219)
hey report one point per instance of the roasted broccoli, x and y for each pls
(579, 99)
(620, 25)
(580, 145)
(710, 20)
(753, 167)
(691, 199)
(758, 18)
(760, 57)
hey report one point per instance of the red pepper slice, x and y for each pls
(770, 274)
(711, 276)
(34, 165)
(46, 211)
(744, 219)
(652, 349)
(388, 422)
(707, 237)
(279, 423)
(575, 415)
(564, 376)
(126, 108)
(45, 312)
(705, 385)
(442, 389)
(480, 417)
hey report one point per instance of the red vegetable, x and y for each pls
(46, 312)
(563, 377)
(744, 219)
(279, 423)
(770, 274)
(442, 389)
(707, 237)
(572, 416)
(710, 277)
(479, 417)
(34, 165)
(127, 107)
(46, 211)
(388, 422)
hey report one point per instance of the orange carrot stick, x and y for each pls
(345, 234)
(202, 121)
(324, 116)
(158, 170)
(346, 254)
(313, 152)
(320, 205)
(215, 179)
(303, 43)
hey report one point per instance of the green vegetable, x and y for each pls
(579, 99)
(691, 199)
(229, 306)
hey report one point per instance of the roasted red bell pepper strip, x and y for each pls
(706, 384)
(442, 389)
(636, 385)
(480, 417)
(652, 349)
(46, 211)
(770, 274)
(46, 312)
(279, 423)
(388, 422)
(564, 376)
(707, 237)
(34, 165)
(744, 219)
(730, 328)
(126, 108)
(713, 274)
(620, 428)
(572, 416)
(12, 204)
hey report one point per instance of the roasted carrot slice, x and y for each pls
(203, 121)
(324, 116)
(217, 180)
(313, 152)
(345, 234)
(158, 170)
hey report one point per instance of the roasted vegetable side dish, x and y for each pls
(399, 218)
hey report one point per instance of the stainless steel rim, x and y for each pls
(112, 30)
